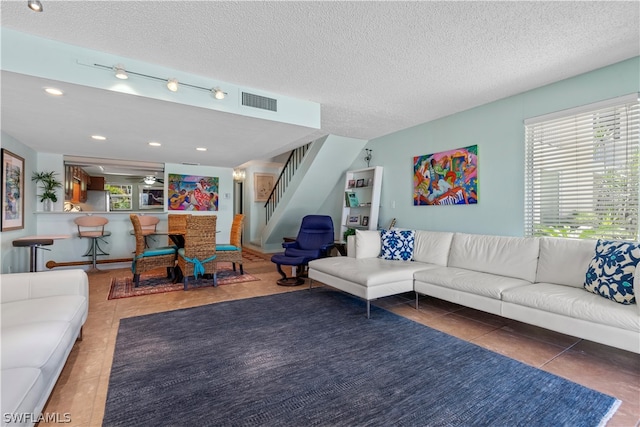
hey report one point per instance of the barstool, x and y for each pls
(34, 244)
(92, 227)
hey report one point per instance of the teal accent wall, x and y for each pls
(498, 130)
(12, 259)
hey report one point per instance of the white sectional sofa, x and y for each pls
(533, 280)
(42, 316)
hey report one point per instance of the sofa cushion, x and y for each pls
(506, 256)
(367, 271)
(611, 271)
(576, 303)
(367, 243)
(36, 345)
(66, 308)
(397, 244)
(484, 284)
(20, 286)
(564, 261)
(432, 247)
(22, 389)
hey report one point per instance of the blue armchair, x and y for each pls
(315, 240)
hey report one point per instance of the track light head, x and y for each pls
(121, 73)
(172, 85)
(35, 5)
(218, 93)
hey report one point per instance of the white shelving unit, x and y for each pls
(366, 184)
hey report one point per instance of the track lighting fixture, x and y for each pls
(172, 85)
(150, 180)
(121, 73)
(35, 5)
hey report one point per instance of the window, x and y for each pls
(582, 171)
(120, 196)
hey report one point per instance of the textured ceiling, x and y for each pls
(375, 67)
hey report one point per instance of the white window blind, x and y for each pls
(582, 171)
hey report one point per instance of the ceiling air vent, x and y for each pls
(257, 101)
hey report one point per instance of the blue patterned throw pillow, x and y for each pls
(397, 244)
(610, 273)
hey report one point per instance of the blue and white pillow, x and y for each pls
(611, 271)
(397, 244)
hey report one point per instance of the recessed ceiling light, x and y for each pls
(53, 91)
(201, 149)
(155, 144)
(99, 137)
(35, 5)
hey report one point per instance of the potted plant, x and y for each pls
(49, 183)
(349, 232)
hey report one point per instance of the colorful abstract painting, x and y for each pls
(446, 178)
(192, 193)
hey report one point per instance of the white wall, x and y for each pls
(255, 215)
(498, 130)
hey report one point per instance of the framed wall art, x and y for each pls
(12, 191)
(263, 184)
(446, 178)
(192, 193)
(151, 198)
(353, 220)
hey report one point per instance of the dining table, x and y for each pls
(176, 236)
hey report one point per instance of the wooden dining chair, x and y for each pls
(232, 252)
(198, 257)
(146, 259)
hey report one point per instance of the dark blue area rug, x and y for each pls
(313, 359)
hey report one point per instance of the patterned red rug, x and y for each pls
(157, 282)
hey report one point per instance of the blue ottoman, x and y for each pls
(282, 259)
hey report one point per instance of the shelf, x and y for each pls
(368, 196)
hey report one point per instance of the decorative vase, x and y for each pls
(47, 205)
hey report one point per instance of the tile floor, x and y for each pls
(81, 390)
